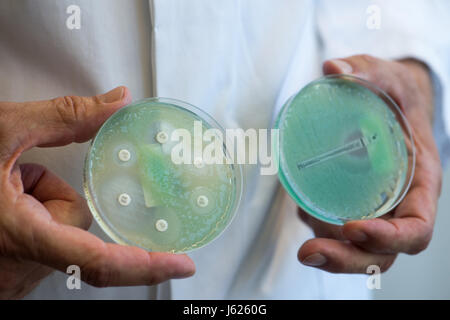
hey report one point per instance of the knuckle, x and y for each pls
(12, 122)
(98, 273)
(97, 277)
(367, 66)
(367, 58)
(70, 109)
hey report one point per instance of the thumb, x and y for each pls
(383, 73)
(62, 120)
(337, 66)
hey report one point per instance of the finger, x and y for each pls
(363, 66)
(397, 79)
(101, 264)
(410, 230)
(59, 121)
(58, 245)
(73, 119)
(341, 257)
(391, 76)
(61, 200)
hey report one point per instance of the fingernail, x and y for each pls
(315, 260)
(344, 66)
(113, 95)
(357, 236)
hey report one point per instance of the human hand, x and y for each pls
(42, 218)
(351, 248)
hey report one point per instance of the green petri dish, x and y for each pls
(345, 150)
(141, 197)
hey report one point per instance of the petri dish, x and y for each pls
(345, 150)
(141, 196)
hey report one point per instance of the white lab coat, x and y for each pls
(237, 60)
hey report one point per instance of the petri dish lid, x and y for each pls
(345, 150)
(142, 196)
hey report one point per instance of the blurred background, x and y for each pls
(426, 275)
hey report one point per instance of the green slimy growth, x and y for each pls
(159, 189)
(342, 151)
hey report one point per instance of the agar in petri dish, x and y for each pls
(140, 197)
(345, 149)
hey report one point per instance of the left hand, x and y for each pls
(43, 220)
(353, 247)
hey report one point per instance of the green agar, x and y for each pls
(159, 189)
(342, 151)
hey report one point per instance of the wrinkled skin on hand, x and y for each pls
(43, 220)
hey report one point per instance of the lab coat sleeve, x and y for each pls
(394, 30)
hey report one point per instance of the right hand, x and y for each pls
(408, 228)
(43, 220)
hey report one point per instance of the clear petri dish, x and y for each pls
(345, 150)
(142, 196)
